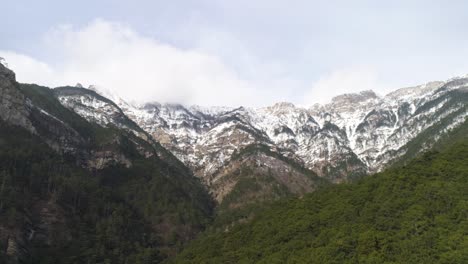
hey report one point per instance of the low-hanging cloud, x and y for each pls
(140, 69)
(137, 68)
(237, 52)
(352, 79)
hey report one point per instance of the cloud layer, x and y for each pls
(141, 69)
(339, 82)
(236, 52)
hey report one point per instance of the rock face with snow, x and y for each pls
(353, 135)
(106, 113)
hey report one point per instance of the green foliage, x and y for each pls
(252, 191)
(253, 185)
(116, 215)
(413, 214)
(68, 214)
(349, 166)
(256, 186)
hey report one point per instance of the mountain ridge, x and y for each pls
(144, 159)
(353, 135)
(415, 213)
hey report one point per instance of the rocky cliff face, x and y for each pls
(352, 135)
(198, 134)
(14, 107)
(105, 113)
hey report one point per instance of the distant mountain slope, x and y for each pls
(74, 190)
(353, 135)
(417, 213)
(273, 170)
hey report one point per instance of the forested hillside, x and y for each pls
(72, 191)
(417, 213)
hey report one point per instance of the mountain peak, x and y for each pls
(360, 126)
(355, 97)
(284, 105)
(415, 91)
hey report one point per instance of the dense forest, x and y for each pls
(416, 213)
(54, 210)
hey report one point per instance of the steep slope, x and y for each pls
(412, 214)
(274, 175)
(254, 178)
(14, 107)
(353, 135)
(213, 141)
(74, 190)
(451, 116)
(247, 172)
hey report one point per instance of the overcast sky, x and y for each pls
(219, 52)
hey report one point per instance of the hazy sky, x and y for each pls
(241, 52)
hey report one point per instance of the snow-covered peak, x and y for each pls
(283, 106)
(410, 93)
(352, 102)
(109, 94)
(355, 98)
(211, 110)
(353, 133)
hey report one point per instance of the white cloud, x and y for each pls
(28, 69)
(139, 69)
(348, 80)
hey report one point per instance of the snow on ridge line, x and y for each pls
(204, 137)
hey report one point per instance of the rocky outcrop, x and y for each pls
(102, 159)
(273, 178)
(62, 136)
(14, 108)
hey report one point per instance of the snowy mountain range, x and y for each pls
(352, 135)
